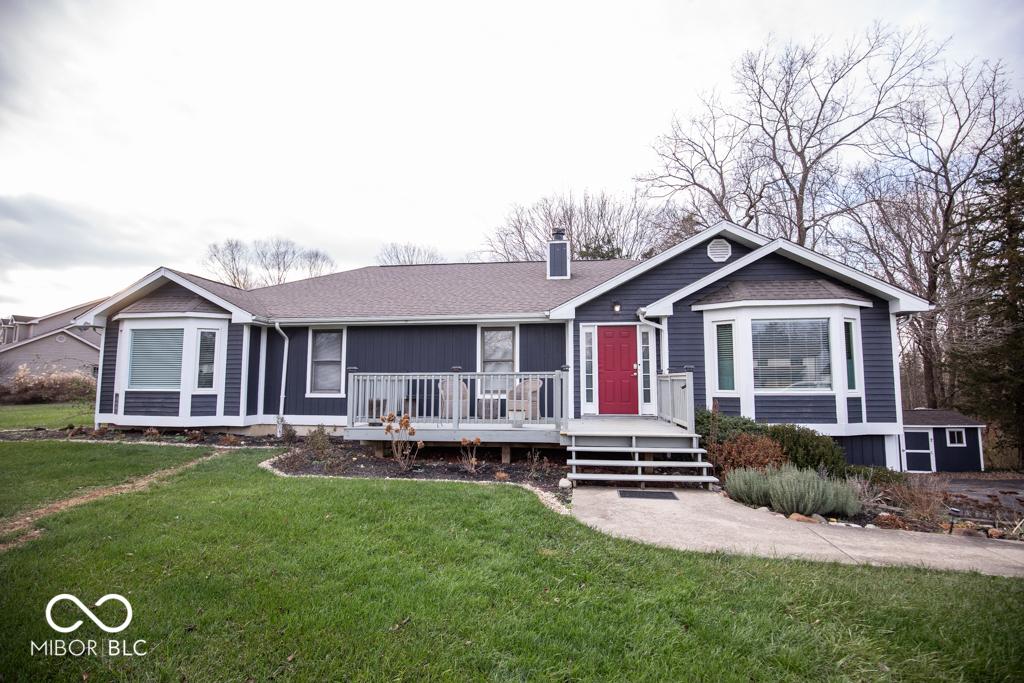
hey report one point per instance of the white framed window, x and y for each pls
(791, 355)
(725, 355)
(154, 358)
(850, 353)
(325, 372)
(587, 349)
(497, 355)
(646, 365)
(956, 438)
(206, 360)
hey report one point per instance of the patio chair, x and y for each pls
(447, 389)
(525, 399)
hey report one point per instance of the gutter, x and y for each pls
(284, 374)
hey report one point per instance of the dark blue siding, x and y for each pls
(879, 380)
(558, 258)
(863, 450)
(541, 347)
(272, 376)
(106, 400)
(854, 410)
(233, 371)
(412, 348)
(204, 405)
(958, 458)
(252, 400)
(295, 401)
(729, 405)
(647, 288)
(796, 409)
(151, 403)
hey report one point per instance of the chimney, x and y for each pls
(558, 256)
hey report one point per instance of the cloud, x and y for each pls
(38, 232)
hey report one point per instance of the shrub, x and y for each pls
(746, 450)
(319, 441)
(807, 448)
(229, 440)
(792, 489)
(47, 387)
(747, 485)
(501, 476)
(151, 434)
(921, 497)
(400, 432)
(879, 477)
(717, 428)
(288, 433)
(467, 455)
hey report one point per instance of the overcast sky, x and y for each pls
(132, 134)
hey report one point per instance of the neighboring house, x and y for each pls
(49, 343)
(941, 441)
(605, 357)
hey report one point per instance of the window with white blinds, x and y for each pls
(724, 350)
(206, 359)
(791, 354)
(155, 358)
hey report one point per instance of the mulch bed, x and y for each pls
(433, 463)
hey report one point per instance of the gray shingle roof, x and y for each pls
(934, 417)
(782, 290)
(458, 289)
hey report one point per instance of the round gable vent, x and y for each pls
(61, 338)
(719, 250)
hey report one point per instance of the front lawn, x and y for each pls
(234, 573)
(36, 472)
(47, 415)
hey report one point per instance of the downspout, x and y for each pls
(642, 313)
(284, 374)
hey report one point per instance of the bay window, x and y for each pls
(206, 357)
(791, 354)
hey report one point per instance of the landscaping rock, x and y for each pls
(797, 517)
(870, 526)
(763, 508)
(564, 483)
(996, 533)
(819, 519)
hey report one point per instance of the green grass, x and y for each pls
(36, 472)
(231, 571)
(48, 415)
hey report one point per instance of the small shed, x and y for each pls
(941, 441)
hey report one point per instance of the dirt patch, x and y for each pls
(21, 525)
(433, 463)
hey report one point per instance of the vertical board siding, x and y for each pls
(106, 400)
(863, 450)
(233, 371)
(412, 348)
(879, 380)
(558, 259)
(541, 347)
(295, 400)
(152, 403)
(854, 410)
(729, 405)
(252, 399)
(644, 290)
(960, 458)
(203, 405)
(795, 409)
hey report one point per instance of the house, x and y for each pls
(49, 343)
(941, 441)
(608, 358)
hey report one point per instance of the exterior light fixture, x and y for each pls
(616, 306)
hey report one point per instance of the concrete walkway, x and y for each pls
(709, 522)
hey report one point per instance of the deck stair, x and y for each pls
(644, 451)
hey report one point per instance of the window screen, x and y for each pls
(326, 362)
(791, 354)
(207, 355)
(155, 359)
(726, 372)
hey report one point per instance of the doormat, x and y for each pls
(654, 495)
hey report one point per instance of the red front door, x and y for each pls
(616, 370)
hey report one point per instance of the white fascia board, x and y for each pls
(567, 311)
(98, 315)
(664, 305)
(780, 302)
(417, 319)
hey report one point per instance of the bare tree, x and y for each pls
(773, 158)
(407, 254)
(910, 209)
(275, 258)
(316, 262)
(596, 225)
(230, 261)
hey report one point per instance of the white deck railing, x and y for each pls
(451, 399)
(675, 399)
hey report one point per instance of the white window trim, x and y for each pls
(858, 357)
(309, 361)
(646, 407)
(931, 449)
(588, 407)
(480, 353)
(218, 365)
(712, 374)
(950, 444)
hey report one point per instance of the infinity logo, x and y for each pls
(88, 613)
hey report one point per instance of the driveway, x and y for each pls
(709, 522)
